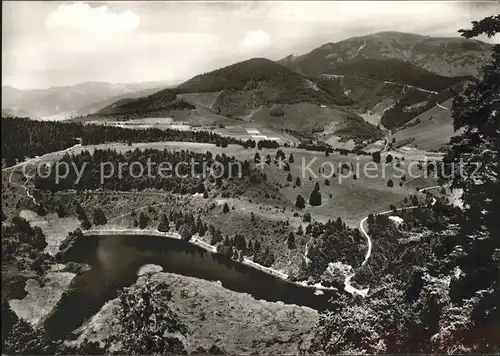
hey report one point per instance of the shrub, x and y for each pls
(278, 111)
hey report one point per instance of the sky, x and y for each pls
(53, 43)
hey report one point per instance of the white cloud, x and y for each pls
(82, 17)
(255, 41)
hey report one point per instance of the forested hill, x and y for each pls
(396, 71)
(22, 137)
(237, 75)
(162, 100)
(274, 82)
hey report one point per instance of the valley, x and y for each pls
(308, 205)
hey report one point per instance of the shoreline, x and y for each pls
(318, 288)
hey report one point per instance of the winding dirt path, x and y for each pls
(348, 287)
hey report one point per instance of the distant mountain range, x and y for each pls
(441, 55)
(77, 99)
(387, 78)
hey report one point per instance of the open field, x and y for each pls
(227, 127)
(203, 99)
(351, 199)
(430, 130)
(207, 308)
(42, 297)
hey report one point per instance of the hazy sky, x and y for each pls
(61, 43)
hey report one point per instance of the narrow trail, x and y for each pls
(385, 81)
(348, 287)
(442, 107)
(31, 161)
(217, 97)
(26, 189)
(38, 158)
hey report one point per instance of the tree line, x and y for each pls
(22, 137)
(124, 171)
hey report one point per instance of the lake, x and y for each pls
(116, 259)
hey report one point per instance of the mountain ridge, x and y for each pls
(53, 101)
(446, 56)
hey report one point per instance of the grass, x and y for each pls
(310, 118)
(41, 298)
(271, 203)
(203, 99)
(217, 316)
(351, 200)
(430, 130)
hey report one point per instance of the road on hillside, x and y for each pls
(347, 284)
(442, 107)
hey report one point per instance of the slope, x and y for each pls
(249, 84)
(395, 71)
(52, 101)
(441, 55)
(430, 130)
(256, 94)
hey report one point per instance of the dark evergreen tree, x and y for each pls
(99, 218)
(300, 202)
(291, 241)
(315, 198)
(86, 223)
(143, 220)
(186, 232)
(249, 251)
(164, 225)
(80, 211)
(41, 209)
(297, 182)
(61, 212)
(225, 208)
